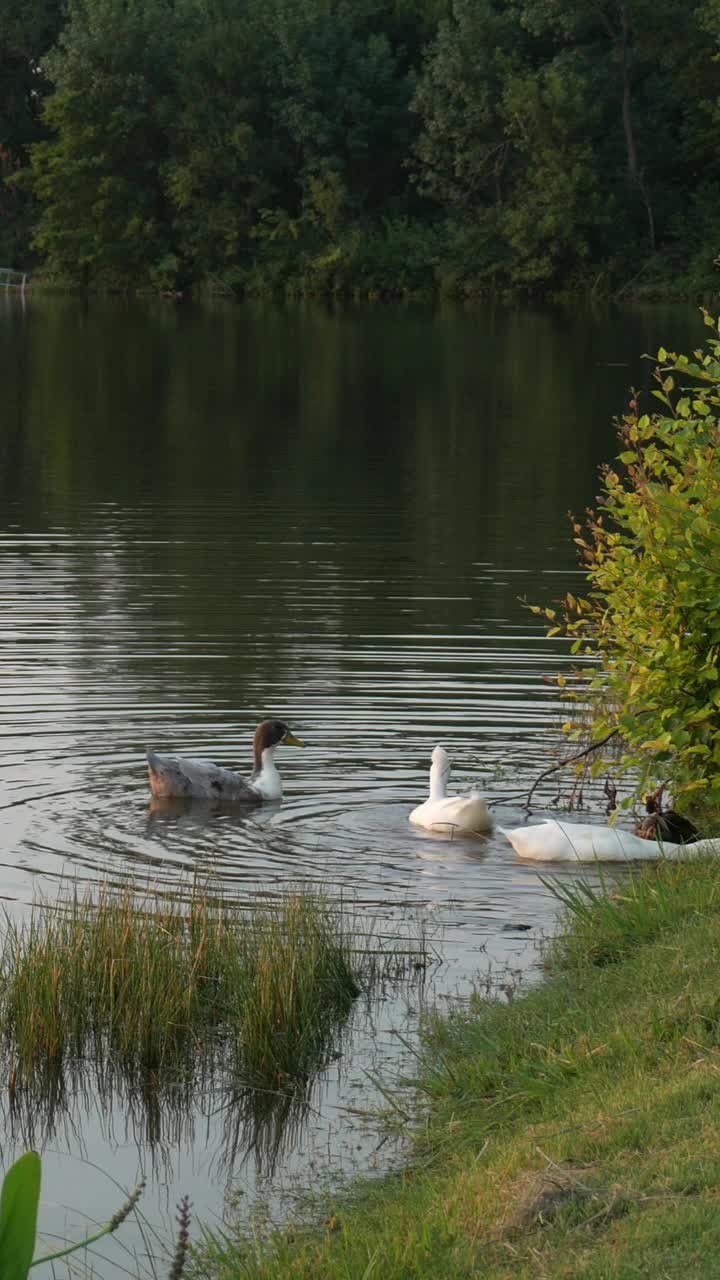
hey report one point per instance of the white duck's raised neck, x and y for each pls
(439, 774)
(266, 778)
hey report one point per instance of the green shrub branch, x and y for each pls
(650, 616)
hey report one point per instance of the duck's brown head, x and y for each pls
(273, 733)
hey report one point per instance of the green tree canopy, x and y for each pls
(317, 143)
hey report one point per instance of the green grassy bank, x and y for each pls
(573, 1132)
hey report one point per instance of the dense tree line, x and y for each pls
(371, 145)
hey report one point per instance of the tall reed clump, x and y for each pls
(295, 973)
(160, 990)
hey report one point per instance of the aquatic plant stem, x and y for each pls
(183, 1240)
(568, 760)
(115, 1222)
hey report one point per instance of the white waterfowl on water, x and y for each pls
(202, 780)
(441, 812)
(553, 841)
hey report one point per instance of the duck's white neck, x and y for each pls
(267, 780)
(439, 778)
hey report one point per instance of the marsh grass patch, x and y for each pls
(604, 924)
(157, 997)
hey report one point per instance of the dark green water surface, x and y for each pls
(212, 514)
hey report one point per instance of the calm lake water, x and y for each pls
(213, 514)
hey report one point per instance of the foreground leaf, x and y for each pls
(18, 1216)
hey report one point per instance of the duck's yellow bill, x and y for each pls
(291, 741)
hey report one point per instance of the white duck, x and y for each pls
(174, 776)
(440, 812)
(553, 841)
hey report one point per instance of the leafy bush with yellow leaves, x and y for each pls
(651, 615)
